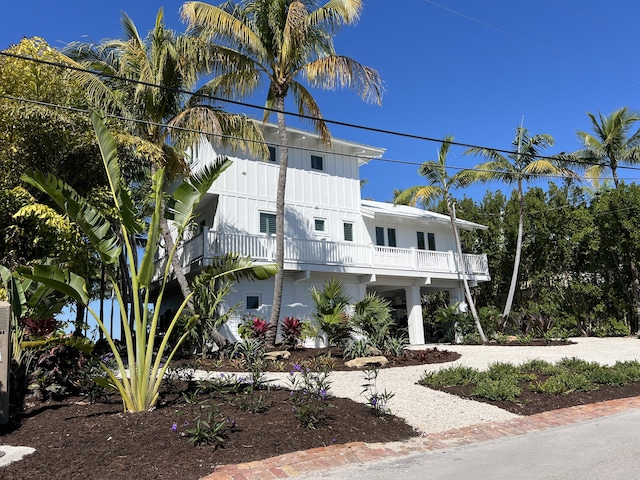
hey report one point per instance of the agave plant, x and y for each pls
(143, 364)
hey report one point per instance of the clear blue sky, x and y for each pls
(462, 67)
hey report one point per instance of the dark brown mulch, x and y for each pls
(77, 440)
(530, 403)
(318, 356)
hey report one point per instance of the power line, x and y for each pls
(263, 108)
(292, 147)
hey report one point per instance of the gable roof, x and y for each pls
(373, 209)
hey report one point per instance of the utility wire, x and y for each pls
(263, 108)
(275, 144)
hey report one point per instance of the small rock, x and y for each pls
(362, 362)
(277, 355)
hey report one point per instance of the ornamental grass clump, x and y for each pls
(309, 395)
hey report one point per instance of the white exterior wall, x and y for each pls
(248, 187)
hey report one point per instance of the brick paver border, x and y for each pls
(316, 459)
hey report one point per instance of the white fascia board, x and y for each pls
(364, 153)
(371, 209)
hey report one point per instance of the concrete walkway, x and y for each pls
(320, 462)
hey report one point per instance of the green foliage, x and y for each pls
(357, 348)
(147, 361)
(376, 400)
(564, 383)
(310, 395)
(456, 375)
(372, 318)
(504, 388)
(208, 430)
(331, 303)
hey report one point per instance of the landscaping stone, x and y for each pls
(362, 362)
(277, 355)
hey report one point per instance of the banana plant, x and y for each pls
(142, 365)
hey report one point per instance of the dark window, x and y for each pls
(431, 237)
(253, 302)
(319, 225)
(267, 223)
(379, 236)
(317, 162)
(348, 232)
(272, 154)
(391, 235)
(421, 242)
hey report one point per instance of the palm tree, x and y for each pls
(146, 81)
(610, 146)
(608, 149)
(275, 43)
(440, 184)
(523, 165)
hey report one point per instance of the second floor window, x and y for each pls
(428, 241)
(379, 236)
(267, 223)
(431, 241)
(273, 154)
(391, 237)
(317, 162)
(348, 232)
(319, 225)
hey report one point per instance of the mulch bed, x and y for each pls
(75, 439)
(317, 356)
(530, 403)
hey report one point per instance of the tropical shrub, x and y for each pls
(253, 327)
(142, 366)
(331, 303)
(292, 332)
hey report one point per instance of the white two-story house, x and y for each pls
(398, 252)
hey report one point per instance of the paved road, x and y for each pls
(607, 448)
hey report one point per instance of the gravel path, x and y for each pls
(430, 411)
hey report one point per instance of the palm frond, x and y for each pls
(337, 71)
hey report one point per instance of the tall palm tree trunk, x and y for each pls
(516, 261)
(463, 272)
(280, 197)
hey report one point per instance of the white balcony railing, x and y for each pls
(261, 248)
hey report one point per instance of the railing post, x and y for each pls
(452, 262)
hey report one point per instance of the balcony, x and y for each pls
(348, 257)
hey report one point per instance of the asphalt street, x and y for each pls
(607, 448)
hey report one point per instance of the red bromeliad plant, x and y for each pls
(291, 332)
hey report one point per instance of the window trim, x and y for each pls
(380, 239)
(392, 237)
(322, 231)
(431, 241)
(273, 158)
(252, 295)
(317, 158)
(344, 231)
(267, 216)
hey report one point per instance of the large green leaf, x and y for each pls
(65, 282)
(109, 152)
(15, 291)
(147, 266)
(181, 206)
(90, 220)
(236, 267)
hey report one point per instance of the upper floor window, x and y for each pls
(317, 162)
(348, 231)
(391, 237)
(273, 154)
(431, 241)
(319, 225)
(428, 241)
(267, 223)
(379, 236)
